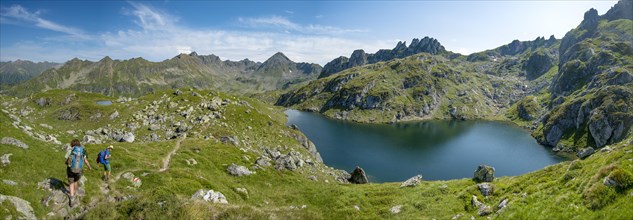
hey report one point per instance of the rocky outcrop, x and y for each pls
(538, 63)
(14, 142)
(359, 57)
(358, 176)
(484, 173)
(413, 181)
(209, 196)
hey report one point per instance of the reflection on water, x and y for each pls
(435, 149)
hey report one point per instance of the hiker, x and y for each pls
(75, 159)
(104, 158)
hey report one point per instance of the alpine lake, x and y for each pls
(437, 149)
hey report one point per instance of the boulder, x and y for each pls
(484, 173)
(114, 115)
(42, 102)
(482, 209)
(502, 205)
(10, 182)
(209, 196)
(236, 170)
(14, 142)
(127, 137)
(22, 206)
(585, 152)
(229, 139)
(486, 188)
(358, 176)
(5, 159)
(396, 209)
(263, 161)
(154, 127)
(413, 181)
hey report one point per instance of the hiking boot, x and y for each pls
(70, 201)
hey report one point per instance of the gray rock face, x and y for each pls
(537, 64)
(236, 170)
(5, 159)
(484, 173)
(585, 152)
(486, 188)
(413, 181)
(358, 176)
(600, 129)
(209, 196)
(14, 142)
(21, 205)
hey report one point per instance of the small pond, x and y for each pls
(104, 102)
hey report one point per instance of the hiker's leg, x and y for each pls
(72, 188)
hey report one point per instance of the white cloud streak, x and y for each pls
(285, 25)
(159, 37)
(16, 14)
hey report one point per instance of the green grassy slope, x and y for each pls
(558, 191)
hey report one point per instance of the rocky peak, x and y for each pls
(106, 59)
(193, 54)
(401, 46)
(358, 58)
(621, 10)
(278, 57)
(591, 19)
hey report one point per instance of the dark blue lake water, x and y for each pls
(438, 150)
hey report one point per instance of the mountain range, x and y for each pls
(138, 76)
(13, 72)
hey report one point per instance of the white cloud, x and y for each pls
(285, 24)
(16, 14)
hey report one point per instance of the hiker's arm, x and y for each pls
(87, 163)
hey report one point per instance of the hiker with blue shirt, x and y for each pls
(104, 158)
(75, 159)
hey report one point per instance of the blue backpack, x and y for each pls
(77, 159)
(100, 157)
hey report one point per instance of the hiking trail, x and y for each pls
(168, 158)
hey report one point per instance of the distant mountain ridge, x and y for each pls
(359, 57)
(138, 76)
(13, 72)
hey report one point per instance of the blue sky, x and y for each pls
(304, 31)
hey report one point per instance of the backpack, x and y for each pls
(100, 157)
(76, 159)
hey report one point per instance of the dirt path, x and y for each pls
(168, 158)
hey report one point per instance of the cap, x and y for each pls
(110, 147)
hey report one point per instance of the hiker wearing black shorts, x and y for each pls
(75, 158)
